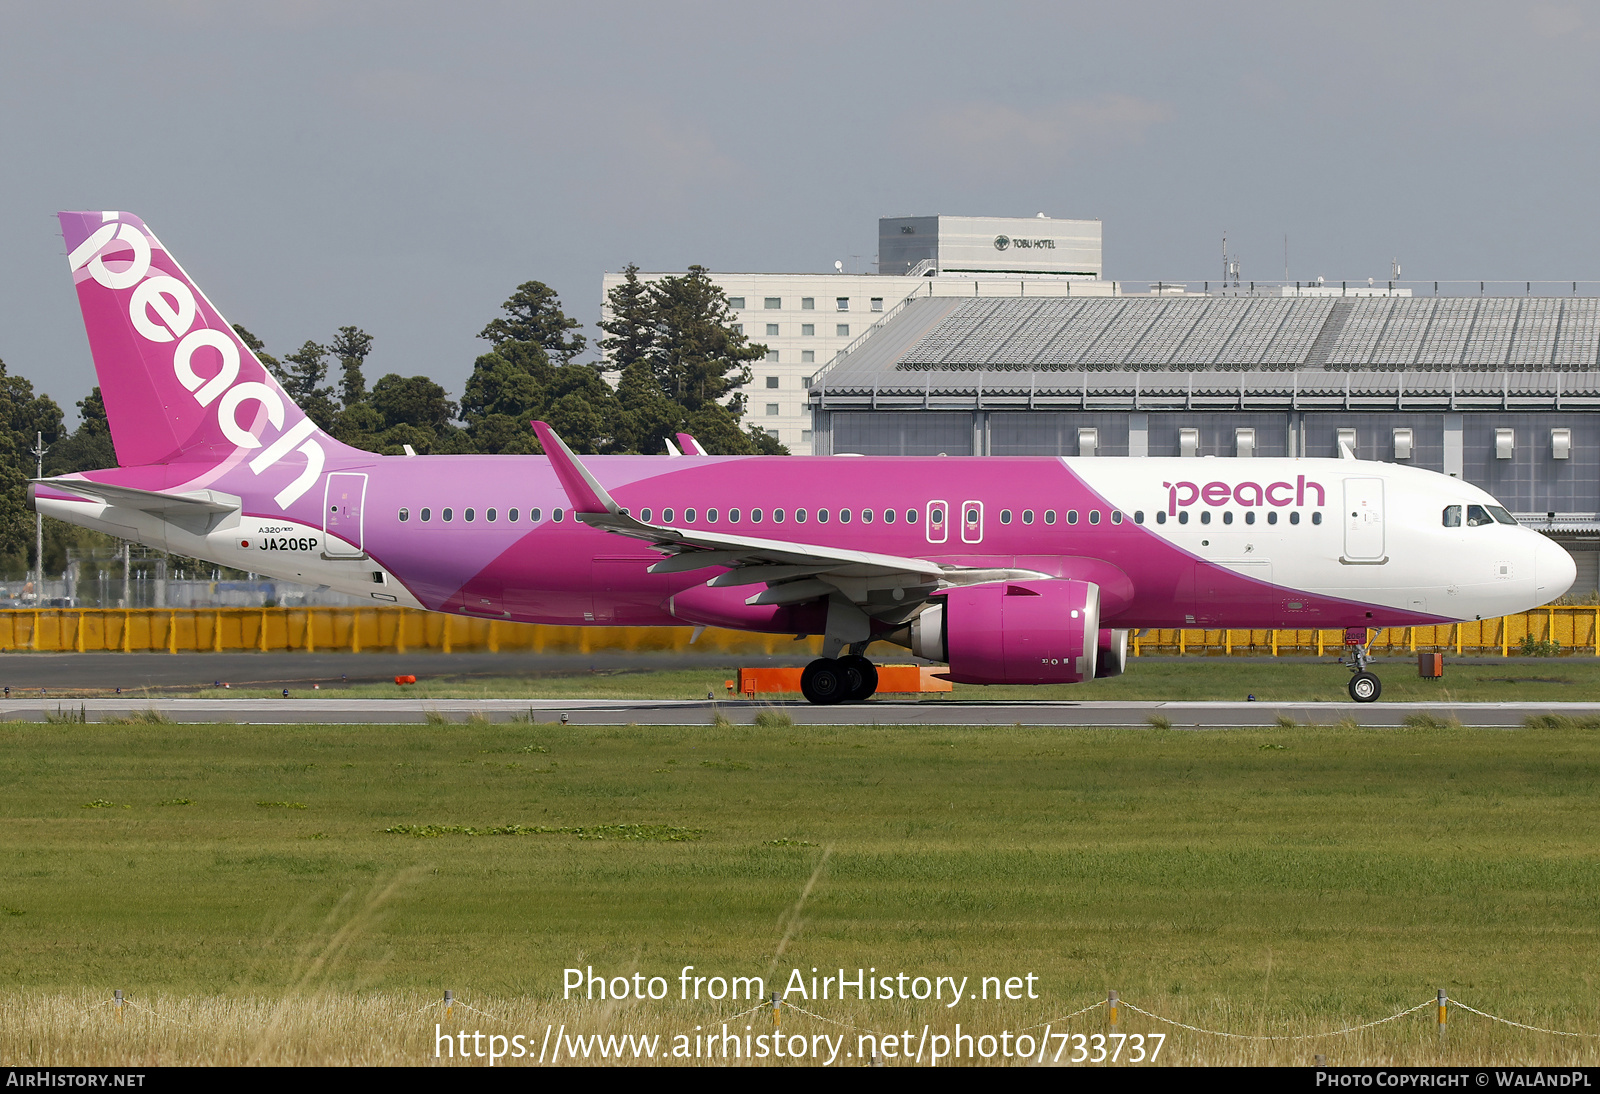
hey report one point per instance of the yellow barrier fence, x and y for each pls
(348, 630)
(402, 630)
(1575, 629)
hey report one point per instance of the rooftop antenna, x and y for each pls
(1285, 258)
(1394, 269)
(1230, 265)
(838, 266)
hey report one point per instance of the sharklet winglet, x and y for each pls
(690, 446)
(585, 493)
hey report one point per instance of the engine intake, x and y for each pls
(1014, 632)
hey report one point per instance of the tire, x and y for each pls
(824, 682)
(1365, 687)
(861, 677)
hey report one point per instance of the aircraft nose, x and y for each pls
(1553, 568)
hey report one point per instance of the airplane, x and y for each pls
(1024, 570)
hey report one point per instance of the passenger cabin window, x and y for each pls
(511, 515)
(666, 515)
(755, 516)
(1452, 516)
(1094, 516)
(1138, 516)
(1005, 516)
(1027, 516)
(557, 514)
(1272, 517)
(1227, 516)
(1116, 516)
(888, 516)
(472, 514)
(449, 514)
(711, 516)
(777, 516)
(799, 516)
(1049, 516)
(1072, 516)
(822, 516)
(1294, 517)
(491, 515)
(1316, 518)
(1161, 517)
(427, 515)
(844, 516)
(1205, 516)
(733, 516)
(1183, 517)
(688, 515)
(911, 516)
(644, 515)
(405, 514)
(1249, 516)
(535, 515)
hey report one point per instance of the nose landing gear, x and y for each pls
(827, 680)
(1365, 687)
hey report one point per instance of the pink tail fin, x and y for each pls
(179, 386)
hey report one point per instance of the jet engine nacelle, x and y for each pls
(1013, 632)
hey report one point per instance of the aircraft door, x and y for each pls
(1363, 520)
(342, 525)
(938, 522)
(972, 522)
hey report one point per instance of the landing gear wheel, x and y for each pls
(824, 682)
(861, 677)
(1365, 687)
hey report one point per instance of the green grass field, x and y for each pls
(1253, 880)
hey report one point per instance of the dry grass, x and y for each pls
(345, 1028)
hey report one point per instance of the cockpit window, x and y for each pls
(1452, 516)
(1478, 516)
(1500, 515)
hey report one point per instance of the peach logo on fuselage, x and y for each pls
(162, 309)
(1248, 495)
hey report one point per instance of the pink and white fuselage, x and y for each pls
(1008, 569)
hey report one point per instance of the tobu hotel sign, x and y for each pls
(1005, 243)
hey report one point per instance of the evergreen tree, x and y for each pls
(533, 314)
(632, 328)
(88, 447)
(351, 347)
(699, 358)
(304, 371)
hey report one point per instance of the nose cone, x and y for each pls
(1553, 570)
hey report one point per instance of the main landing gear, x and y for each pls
(830, 680)
(1365, 687)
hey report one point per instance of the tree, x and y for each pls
(632, 328)
(88, 447)
(351, 346)
(304, 370)
(534, 315)
(412, 400)
(699, 358)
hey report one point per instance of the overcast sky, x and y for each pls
(403, 166)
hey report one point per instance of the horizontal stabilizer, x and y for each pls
(192, 502)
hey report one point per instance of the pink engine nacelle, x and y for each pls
(1014, 632)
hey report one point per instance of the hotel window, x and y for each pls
(842, 303)
(772, 381)
(772, 356)
(808, 303)
(772, 303)
(842, 330)
(738, 328)
(773, 433)
(772, 330)
(877, 303)
(808, 357)
(807, 330)
(772, 410)
(735, 301)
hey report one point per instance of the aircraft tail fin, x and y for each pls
(180, 386)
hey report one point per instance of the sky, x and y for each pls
(404, 166)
